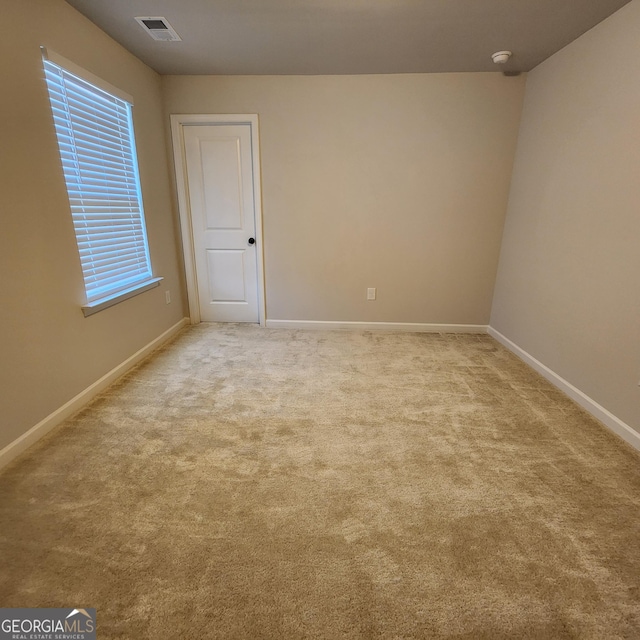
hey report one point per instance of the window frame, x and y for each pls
(120, 291)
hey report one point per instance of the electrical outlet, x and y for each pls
(167, 296)
(371, 293)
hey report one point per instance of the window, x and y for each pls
(94, 128)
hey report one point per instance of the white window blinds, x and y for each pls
(97, 147)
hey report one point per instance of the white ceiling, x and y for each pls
(235, 37)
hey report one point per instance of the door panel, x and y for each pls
(226, 275)
(222, 171)
(219, 169)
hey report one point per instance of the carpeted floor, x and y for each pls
(252, 483)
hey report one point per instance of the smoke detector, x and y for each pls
(158, 28)
(500, 57)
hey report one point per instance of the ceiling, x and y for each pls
(238, 37)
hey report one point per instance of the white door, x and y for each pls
(222, 202)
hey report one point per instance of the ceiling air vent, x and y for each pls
(158, 28)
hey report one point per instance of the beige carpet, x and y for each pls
(252, 483)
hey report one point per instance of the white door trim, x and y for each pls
(178, 123)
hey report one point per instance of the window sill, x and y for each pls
(109, 301)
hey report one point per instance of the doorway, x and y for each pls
(217, 163)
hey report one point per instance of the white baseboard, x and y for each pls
(596, 410)
(15, 448)
(416, 327)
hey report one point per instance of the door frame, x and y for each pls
(178, 123)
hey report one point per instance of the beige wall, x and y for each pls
(395, 182)
(50, 352)
(568, 290)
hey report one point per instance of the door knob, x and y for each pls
(252, 240)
